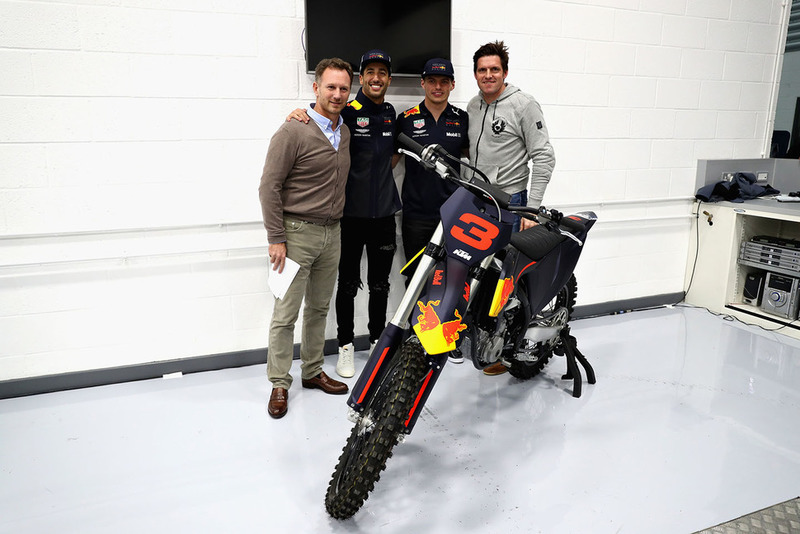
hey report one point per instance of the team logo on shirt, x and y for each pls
(419, 123)
(452, 123)
(498, 125)
(412, 111)
(362, 121)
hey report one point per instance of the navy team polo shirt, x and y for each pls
(424, 191)
(371, 190)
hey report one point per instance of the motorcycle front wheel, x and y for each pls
(377, 432)
(543, 351)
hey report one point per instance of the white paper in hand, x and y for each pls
(280, 282)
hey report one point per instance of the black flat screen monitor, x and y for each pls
(411, 32)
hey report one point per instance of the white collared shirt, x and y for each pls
(333, 133)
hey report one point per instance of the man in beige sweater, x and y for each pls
(302, 199)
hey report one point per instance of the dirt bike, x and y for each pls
(479, 287)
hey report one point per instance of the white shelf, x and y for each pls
(717, 279)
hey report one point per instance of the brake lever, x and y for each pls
(554, 218)
(426, 164)
(569, 235)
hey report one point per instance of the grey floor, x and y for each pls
(693, 422)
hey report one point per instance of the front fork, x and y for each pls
(393, 336)
(436, 362)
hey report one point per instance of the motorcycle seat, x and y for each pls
(536, 242)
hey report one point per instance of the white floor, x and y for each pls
(693, 422)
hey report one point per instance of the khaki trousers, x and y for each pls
(316, 249)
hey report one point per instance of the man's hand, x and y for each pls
(277, 256)
(299, 114)
(524, 223)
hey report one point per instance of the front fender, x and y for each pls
(438, 317)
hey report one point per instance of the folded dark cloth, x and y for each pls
(742, 187)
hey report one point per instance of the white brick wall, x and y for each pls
(133, 132)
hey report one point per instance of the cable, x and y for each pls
(696, 248)
(728, 317)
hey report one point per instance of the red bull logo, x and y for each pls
(435, 336)
(450, 329)
(501, 294)
(428, 319)
(508, 286)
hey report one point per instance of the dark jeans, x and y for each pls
(378, 236)
(416, 235)
(518, 199)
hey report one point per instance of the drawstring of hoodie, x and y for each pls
(483, 126)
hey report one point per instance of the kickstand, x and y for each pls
(572, 354)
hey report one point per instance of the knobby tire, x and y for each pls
(370, 445)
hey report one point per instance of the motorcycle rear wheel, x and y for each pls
(372, 439)
(565, 298)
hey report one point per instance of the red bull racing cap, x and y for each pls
(375, 56)
(438, 67)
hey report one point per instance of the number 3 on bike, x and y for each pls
(480, 288)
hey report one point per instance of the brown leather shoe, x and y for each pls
(278, 403)
(497, 368)
(326, 384)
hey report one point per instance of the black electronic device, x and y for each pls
(753, 288)
(411, 32)
(768, 240)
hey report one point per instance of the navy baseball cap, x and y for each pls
(438, 67)
(375, 56)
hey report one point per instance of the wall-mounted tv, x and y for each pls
(411, 32)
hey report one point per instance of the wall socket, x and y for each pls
(761, 177)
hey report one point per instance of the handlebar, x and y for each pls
(572, 223)
(410, 144)
(430, 156)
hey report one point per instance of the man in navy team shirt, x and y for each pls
(434, 120)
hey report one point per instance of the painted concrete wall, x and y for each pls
(133, 133)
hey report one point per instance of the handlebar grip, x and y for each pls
(410, 144)
(572, 222)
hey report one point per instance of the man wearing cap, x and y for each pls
(437, 121)
(508, 138)
(371, 201)
(434, 120)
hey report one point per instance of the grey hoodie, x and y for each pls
(507, 133)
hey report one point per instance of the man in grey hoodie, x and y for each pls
(507, 130)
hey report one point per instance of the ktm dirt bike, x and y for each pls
(480, 288)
